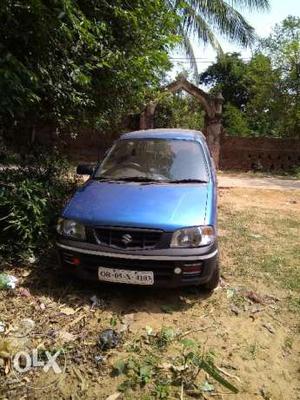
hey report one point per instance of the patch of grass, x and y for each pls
(294, 304)
(288, 343)
(251, 351)
(262, 243)
(238, 300)
(182, 368)
(163, 338)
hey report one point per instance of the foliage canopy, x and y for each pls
(73, 63)
(262, 96)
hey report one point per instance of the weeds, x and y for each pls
(162, 375)
(163, 338)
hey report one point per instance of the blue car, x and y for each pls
(147, 215)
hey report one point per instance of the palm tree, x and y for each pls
(205, 19)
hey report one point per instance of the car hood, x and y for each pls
(158, 206)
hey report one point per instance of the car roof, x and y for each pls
(166, 133)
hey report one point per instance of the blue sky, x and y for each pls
(262, 22)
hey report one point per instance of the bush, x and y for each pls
(31, 196)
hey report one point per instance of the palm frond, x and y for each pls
(204, 19)
(262, 5)
(222, 18)
(188, 48)
(195, 24)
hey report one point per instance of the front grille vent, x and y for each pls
(127, 238)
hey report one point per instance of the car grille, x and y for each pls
(128, 238)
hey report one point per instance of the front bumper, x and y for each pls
(197, 265)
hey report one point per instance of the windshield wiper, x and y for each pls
(129, 179)
(137, 179)
(188, 181)
(103, 179)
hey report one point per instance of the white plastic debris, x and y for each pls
(2, 327)
(7, 281)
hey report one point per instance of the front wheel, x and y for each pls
(214, 280)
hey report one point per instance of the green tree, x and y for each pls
(229, 76)
(262, 96)
(205, 20)
(263, 109)
(73, 63)
(283, 48)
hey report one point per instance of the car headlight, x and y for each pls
(193, 237)
(70, 228)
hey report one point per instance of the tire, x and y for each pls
(214, 280)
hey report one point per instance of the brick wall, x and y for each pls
(84, 147)
(239, 153)
(236, 153)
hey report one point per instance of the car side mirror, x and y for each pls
(85, 169)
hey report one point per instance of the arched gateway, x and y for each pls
(213, 113)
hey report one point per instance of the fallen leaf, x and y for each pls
(255, 309)
(65, 336)
(24, 292)
(179, 368)
(256, 236)
(256, 298)
(67, 311)
(235, 310)
(272, 298)
(165, 366)
(127, 321)
(114, 396)
(270, 328)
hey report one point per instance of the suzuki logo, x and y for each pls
(126, 239)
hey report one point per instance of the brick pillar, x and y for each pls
(213, 134)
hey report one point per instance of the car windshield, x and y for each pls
(154, 160)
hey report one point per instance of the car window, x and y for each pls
(157, 159)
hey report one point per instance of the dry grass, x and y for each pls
(253, 339)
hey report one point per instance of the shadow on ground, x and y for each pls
(46, 279)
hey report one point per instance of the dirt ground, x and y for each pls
(249, 325)
(257, 181)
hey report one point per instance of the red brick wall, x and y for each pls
(85, 147)
(236, 153)
(259, 153)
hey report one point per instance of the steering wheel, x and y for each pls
(130, 164)
(134, 165)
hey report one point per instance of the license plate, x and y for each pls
(125, 276)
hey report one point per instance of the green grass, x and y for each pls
(168, 366)
(263, 243)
